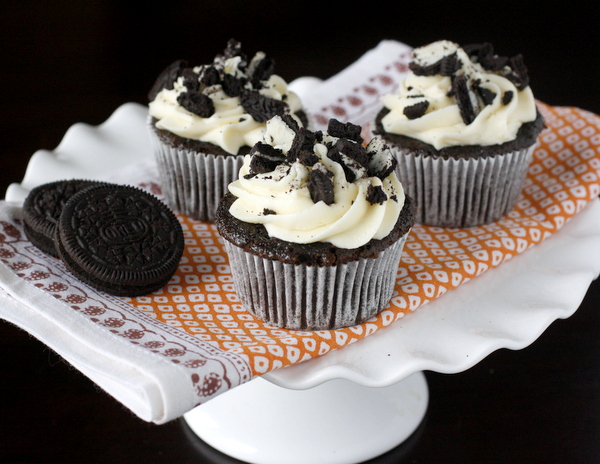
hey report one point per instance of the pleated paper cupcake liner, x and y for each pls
(302, 297)
(462, 192)
(194, 182)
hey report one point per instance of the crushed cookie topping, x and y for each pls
(231, 71)
(344, 145)
(471, 96)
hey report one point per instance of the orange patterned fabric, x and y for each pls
(563, 178)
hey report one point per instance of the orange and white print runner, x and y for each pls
(564, 176)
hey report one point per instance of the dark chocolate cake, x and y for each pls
(527, 136)
(254, 239)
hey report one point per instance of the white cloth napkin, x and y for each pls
(353, 94)
(96, 333)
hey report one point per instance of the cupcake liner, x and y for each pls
(194, 182)
(301, 297)
(462, 192)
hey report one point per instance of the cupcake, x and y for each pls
(203, 119)
(463, 127)
(314, 226)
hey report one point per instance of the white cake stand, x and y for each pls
(360, 401)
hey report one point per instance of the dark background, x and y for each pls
(63, 62)
(67, 61)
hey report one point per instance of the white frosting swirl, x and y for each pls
(442, 124)
(230, 127)
(281, 200)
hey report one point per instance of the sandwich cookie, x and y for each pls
(42, 208)
(119, 239)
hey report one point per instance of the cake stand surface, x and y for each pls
(360, 401)
(363, 400)
(337, 422)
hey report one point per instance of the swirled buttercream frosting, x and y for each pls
(307, 187)
(225, 103)
(460, 96)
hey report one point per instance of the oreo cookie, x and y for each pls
(261, 107)
(42, 208)
(119, 239)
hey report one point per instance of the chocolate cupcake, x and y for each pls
(315, 226)
(463, 127)
(203, 120)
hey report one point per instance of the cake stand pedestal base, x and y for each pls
(337, 422)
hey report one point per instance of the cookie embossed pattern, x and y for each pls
(193, 337)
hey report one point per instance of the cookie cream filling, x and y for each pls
(333, 189)
(460, 96)
(227, 123)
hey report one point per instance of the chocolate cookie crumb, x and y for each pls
(232, 86)
(518, 74)
(190, 80)
(261, 108)
(265, 158)
(262, 71)
(376, 195)
(233, 48)
(197, 103)
(463, 99)
(347, 130)
(307, 158)
(209, 76)
(351, 156)
(290, 121)
(320, 185)
(449, 65)
(417, 110)
(507, 97)
(486, 95)
(381, 163)
(303, 140)
(483, 53)
(167, 78)
(430, 70)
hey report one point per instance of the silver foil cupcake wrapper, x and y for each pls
(462, 192)
(192, 182)
(301, 297)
